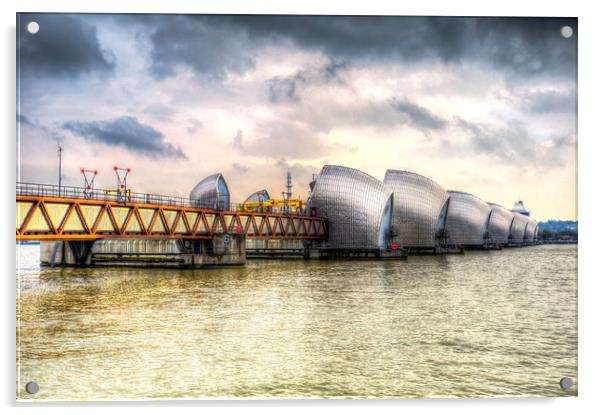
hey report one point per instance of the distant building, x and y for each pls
(519, 207)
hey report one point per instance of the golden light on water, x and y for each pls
(498, 323)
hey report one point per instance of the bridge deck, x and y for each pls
(43, 217)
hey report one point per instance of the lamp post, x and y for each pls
(60, 167)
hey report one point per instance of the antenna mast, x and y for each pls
(289, 192)
(289, 186)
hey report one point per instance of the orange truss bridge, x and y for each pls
(50, 213)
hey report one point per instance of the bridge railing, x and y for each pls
(127, 196)
(73, 192)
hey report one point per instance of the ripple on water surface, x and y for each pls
(494, 323)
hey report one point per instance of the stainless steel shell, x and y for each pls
(358, 208)
(417, 208)
(530, 230)
(519, 226)
(500, 222)
(258, 196)
(467, 219)
(212, 193)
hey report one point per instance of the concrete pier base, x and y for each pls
(75, 253)
(275, 248)
(222, 250)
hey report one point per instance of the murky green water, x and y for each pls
(493, 323)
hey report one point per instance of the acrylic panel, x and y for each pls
(259, 206)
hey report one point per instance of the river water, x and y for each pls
(496, 323)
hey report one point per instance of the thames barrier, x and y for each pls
(348, 214)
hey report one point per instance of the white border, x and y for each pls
(590, 71)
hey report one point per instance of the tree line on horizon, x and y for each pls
(559, 230)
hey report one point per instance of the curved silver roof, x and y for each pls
(418, 208)
(519, 226)
(357, 205)
(258, 196)
(499, 225)
(467, 219)
(530, 230)
(212, 193)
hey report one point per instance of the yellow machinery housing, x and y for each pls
(295, 205)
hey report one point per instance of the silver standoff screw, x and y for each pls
(566, 383)
(32, 388)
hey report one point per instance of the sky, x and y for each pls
(483, 105)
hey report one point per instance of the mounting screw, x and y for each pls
(566, 383)
(566, 31)
(33, 27)
(32, 388)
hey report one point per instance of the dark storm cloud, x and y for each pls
(284, 89)
(512, 143)
(543, 102)
(41, 129)
(417, 116)
(522, 45)
(126, 132)
(206, 44)
(288, 89)
(378, 115)
(217, 44)
(23, 119)
(65, 46)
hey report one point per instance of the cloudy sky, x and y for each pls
(484, 105)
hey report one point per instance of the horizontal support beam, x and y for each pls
(58, 218)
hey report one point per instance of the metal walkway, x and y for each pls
(45, 212)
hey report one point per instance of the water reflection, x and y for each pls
(485, 323)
